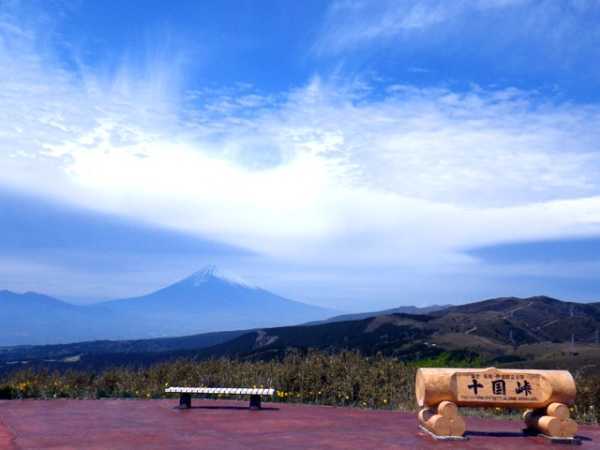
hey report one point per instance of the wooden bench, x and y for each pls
(185, 394)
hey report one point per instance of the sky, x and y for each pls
(352, 154)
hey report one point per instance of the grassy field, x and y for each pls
(343, 379)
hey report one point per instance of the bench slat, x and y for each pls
(227, 391)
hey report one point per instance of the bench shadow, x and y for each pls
(233, 408)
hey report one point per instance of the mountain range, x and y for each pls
(535, 332)
(206, 301)
(492, 329)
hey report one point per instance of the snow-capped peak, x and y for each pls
(213, 272)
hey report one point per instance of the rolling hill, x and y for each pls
(385, 312)
(492, 329)
(517, 321)
(532, 332)
(59, 352)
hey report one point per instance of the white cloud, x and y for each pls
(323, 174)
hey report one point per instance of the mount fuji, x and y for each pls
(209, 300)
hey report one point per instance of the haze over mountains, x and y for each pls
(211, 314)
(206, 301)
(537, 332)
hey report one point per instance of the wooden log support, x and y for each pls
(442, 421)
(185, 401)
(435, 423)
(255, 402)
(553, 421)
(548, 425)
(559, 410)
(450, 411)
(546, 393)
(447, 409)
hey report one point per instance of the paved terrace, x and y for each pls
(158, 424)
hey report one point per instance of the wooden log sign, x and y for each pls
(495, 387)
(545, 393)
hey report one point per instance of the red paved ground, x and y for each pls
(158, 424)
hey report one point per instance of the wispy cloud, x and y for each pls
(351, 23)
(326, 173)
(531, 33)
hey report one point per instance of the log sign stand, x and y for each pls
(544, 394)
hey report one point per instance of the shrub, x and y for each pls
(341, 379)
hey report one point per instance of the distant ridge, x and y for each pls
(32, 318)
(206, 301)
(534, 332)
(397, 310)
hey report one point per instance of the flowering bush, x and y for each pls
(342, 379)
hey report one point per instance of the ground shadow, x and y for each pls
(235, 408)
(497, 433)
(525, 434)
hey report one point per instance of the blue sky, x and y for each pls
(352, 154)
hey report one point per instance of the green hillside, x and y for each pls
(530, 332)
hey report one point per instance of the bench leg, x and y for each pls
(255, 402)
(185, 401)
